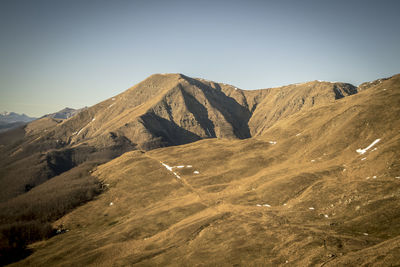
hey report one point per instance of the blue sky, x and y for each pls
(55, 54)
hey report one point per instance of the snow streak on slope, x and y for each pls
(362, 151)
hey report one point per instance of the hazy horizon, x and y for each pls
(57, 54)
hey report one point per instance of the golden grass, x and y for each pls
(305, 200)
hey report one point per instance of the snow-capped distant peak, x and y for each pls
(11, 117)
(5, 113)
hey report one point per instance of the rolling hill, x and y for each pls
(184, 171)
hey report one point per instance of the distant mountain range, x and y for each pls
(10, 117)
(64, 113)
(10, 120)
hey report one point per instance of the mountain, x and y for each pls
(65, 113)
(10, 120)
(9, 117)
(185, 171)
(163, 110)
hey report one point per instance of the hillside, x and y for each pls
(305, 174)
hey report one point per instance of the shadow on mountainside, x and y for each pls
(234, 113)
(200, 113)
(168, 132)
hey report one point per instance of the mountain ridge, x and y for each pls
(174, 85)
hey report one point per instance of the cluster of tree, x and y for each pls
(27, 218)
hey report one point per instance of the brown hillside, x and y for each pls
(318, 184)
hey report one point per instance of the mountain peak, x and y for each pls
(8, 116)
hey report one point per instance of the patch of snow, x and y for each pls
(189, 166)
(368, 178)
(196, 172)
(311, 208)
(298, 134)
(170, 169)
(362, 151)
(180, 166)
(365, 233)
(326, 216)
(363, 158)
(166, 166)
(397, 177)
(284, 204)
(111, 204)
(313, 160)
(93, 119)
(258, 205)
(113, 98)
(111, 105)
(374, 177)
(266, 205)
(344, 170)
(272, 142)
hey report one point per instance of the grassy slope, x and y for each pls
(212, 218)
(39, 162)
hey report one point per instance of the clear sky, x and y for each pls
(75, 53)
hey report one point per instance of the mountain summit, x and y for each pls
(173, 109)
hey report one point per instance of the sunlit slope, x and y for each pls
(318, 187)
(282, 102)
